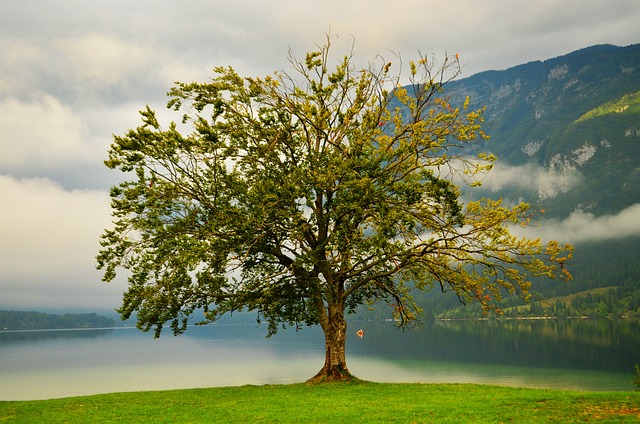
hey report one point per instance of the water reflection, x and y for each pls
(571, 354)
(15, 336)
(597, 345)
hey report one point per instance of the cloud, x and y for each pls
(92, 69)
(42, 134)
(46, 138)
(48, 241)
(583, 227)
(97, 63)
(72, 74)
(545, 182)
(122, 39)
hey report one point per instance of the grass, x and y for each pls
(627, 103)
(565, 300)
(334, 403)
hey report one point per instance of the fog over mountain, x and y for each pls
(581, 226)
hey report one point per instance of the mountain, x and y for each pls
(571, 126)
(566, 132)
(31, 320)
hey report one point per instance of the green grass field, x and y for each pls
(334, 403)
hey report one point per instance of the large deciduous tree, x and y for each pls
(307, 193)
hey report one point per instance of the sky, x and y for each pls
(74, 72)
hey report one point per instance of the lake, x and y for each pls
(577, 354)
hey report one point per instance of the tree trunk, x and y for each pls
(335, 335)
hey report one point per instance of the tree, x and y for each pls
(304, 195)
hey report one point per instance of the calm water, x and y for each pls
(568, 354)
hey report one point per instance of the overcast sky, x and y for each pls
(74, 72)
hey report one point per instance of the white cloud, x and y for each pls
(92, 69)
(581, 227)
(46, 138)
(25, 58)
(125, 39)
(547, 183)
(43, 134)
(48, 242)
(96, 60)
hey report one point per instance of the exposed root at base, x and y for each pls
(333, 376)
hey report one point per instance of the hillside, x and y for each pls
(571, 123)
(566, 132)
(30, 320)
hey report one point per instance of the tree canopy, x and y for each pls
(307, 193)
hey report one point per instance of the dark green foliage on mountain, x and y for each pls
(30, 320)
(571, 126)
(605, 283)
(574, 116)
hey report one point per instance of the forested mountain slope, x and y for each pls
(566, 132)
(569, 125)
(30, 320)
